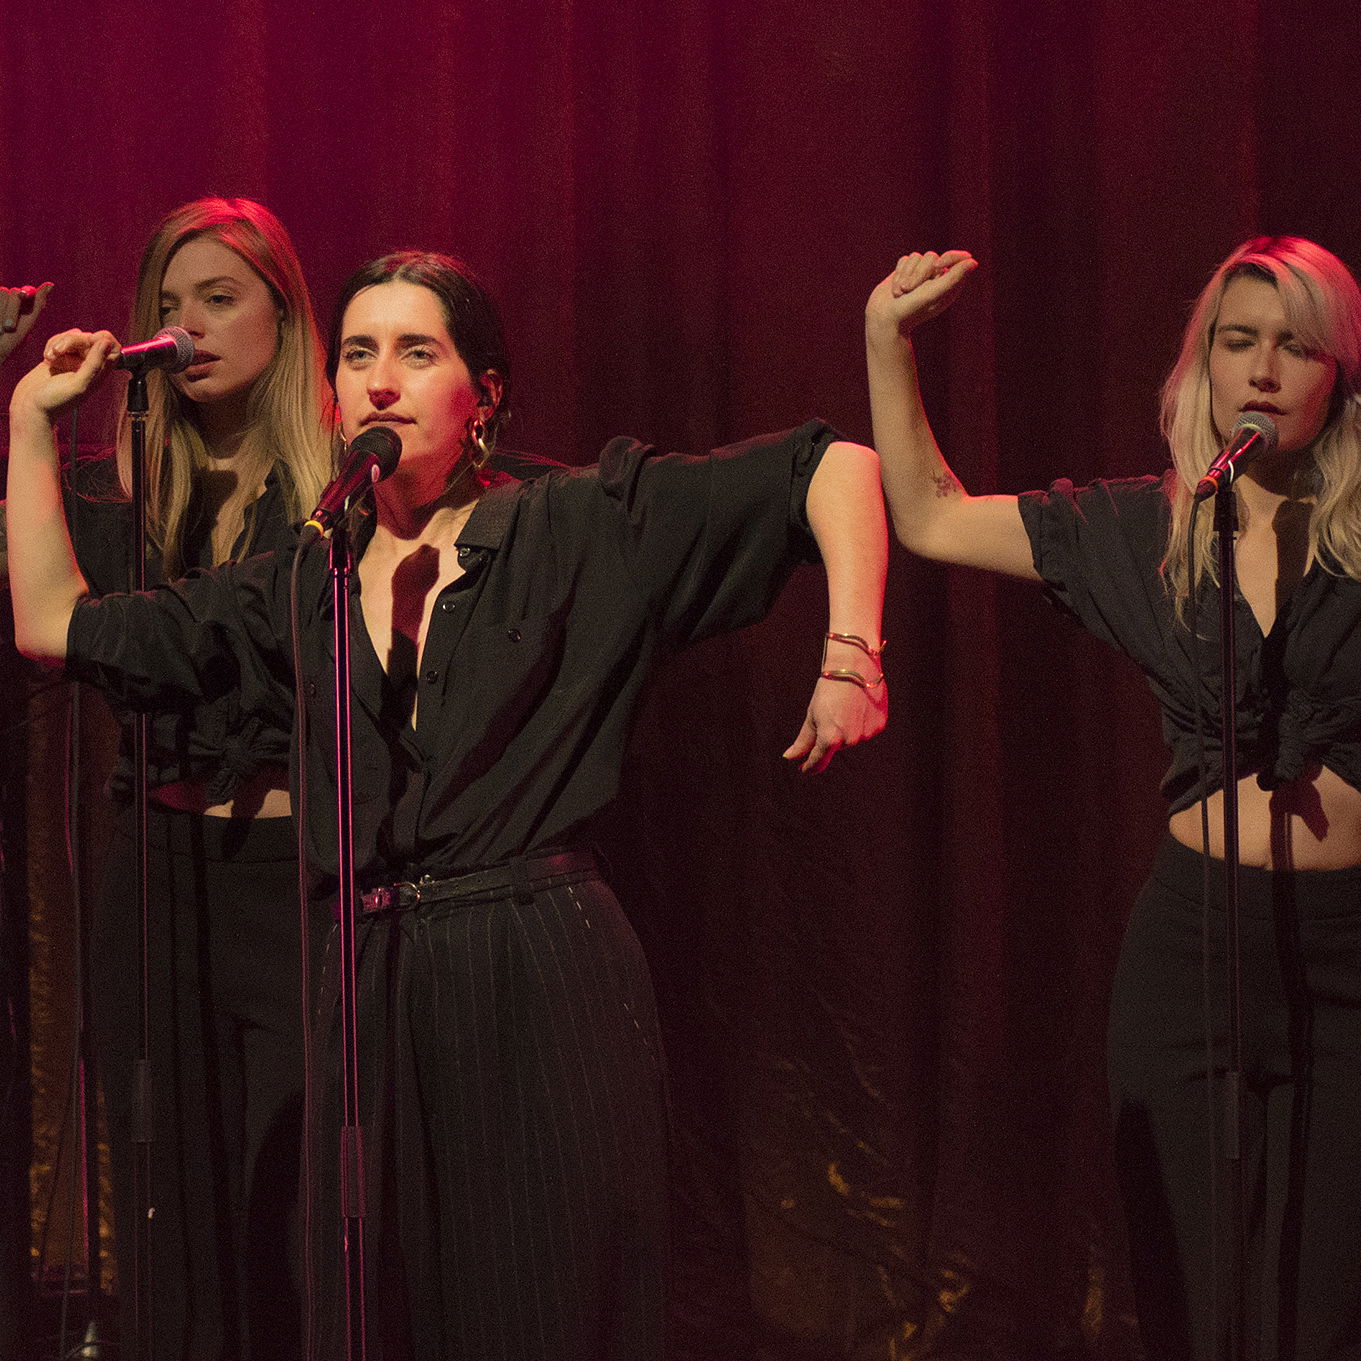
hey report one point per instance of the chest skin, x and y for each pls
(1271, 559)
(397, 596)
(1313, 822)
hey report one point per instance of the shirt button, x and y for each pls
(448, 606)
(513, 635)
(431, 676)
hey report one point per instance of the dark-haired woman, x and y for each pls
(512, 1081)
(1277, 331)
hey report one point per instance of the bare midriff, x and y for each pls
(263, 794)
(1312, 823)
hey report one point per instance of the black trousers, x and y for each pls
(514, 1112)
(226, 1062)
(1301, 982)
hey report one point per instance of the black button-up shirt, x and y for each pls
(1099, 549)
(216, 742)
(533, 662)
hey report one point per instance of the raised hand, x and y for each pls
(19, 309)
(72, 363)
(922, 285)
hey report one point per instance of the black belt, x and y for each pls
(521, 877)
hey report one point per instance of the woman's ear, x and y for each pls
(489, 390)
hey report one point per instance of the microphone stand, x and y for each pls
(144, 1210)
(353, 1184)
(1225, 527)
(82, 1101)
(84, 1092)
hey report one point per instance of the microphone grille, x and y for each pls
(1260, 423)
(184, 347)
(383, 443)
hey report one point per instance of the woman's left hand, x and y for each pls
(841, 714)
(19, 309)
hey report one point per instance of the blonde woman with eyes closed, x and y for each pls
(1276, 332)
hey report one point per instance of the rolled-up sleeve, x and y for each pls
(1098, 549)
(218, 632)
(709, 541)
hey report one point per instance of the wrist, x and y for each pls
(885, 337)
(29, 425)
(853, 657)
(27, 416)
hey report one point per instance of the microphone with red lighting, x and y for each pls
(373, 455)
(171, 349)
(1254, 434)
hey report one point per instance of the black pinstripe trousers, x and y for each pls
(513, 1099)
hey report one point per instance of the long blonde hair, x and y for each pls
(289, 420)
(1323, 308)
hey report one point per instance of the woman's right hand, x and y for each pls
(44, 577)
(72, 363)
(933, 516)
(922, 285)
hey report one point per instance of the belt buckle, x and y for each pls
(390, 897)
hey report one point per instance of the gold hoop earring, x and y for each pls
(477, 439)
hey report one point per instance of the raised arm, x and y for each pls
(45, 581)
(933, 515)
(846, 514)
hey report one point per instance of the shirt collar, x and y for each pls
(486, 526)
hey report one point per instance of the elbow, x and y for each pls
(44, 651)
(921, 536)
(847, 464)
(41, 640)
(935, 542)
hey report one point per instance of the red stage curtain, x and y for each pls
(884, 990)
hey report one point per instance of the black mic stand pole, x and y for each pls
(84, 1100)
(143, 1208)
(353, 1185)
(86, 1086)
(1225, 529)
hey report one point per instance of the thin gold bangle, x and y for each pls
(874, 653)
(854, 677)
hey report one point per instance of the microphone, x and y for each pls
(1253, 435)
(171, 349)
(371, 457)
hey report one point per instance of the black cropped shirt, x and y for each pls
(1098, 549)
(216, 743)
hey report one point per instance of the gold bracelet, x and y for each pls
(855, 678)
(855, 640)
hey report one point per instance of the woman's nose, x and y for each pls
(1266, 373)
(191, 318)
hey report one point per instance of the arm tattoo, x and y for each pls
(947, 484)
